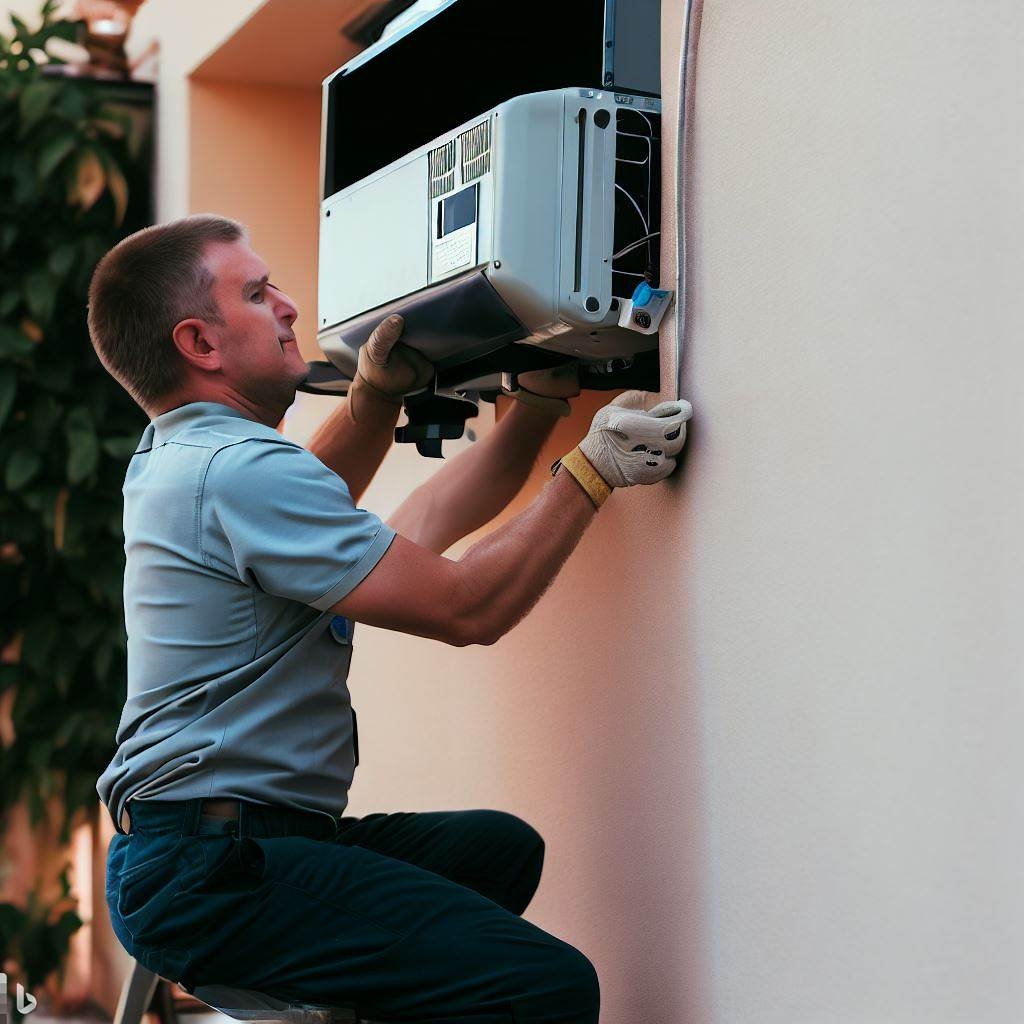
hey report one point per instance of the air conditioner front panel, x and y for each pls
(374, 242)
(525, 249)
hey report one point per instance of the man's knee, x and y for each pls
(515, 832)
(566, 983)
(528, 862)
(582, 980)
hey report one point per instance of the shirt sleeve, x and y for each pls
(278, 518)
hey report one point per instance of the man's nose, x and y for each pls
(286, 310)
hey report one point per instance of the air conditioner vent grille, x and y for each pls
(441, 164)
(475, 146)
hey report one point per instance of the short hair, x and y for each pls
(148, 283)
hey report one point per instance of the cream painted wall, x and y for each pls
(187, 31)
(848, 557)
(765, 719)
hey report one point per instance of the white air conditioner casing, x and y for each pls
(500, 232)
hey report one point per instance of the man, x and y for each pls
(247, 563)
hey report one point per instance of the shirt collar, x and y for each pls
(167, 424)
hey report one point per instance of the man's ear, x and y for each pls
(197, 345)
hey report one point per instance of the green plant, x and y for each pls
(73, 180)
(37, 938)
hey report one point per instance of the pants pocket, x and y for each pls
(231, 865)
(146, 895)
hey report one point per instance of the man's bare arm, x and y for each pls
(479, 598)
(484, 594)
(476, 485)
(355, 450)
(355, 439)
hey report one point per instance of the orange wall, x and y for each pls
(254, 156)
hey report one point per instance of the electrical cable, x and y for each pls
(687, 67)
(635, 245)
(636, 206)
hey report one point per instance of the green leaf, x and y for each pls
(14, 343)
(43, 417)
(23, 173)
(83, 447)
(53, 153)
(66, 30)
(21, 467)
(54, 374)
(8, 302)
(102, 660)
(73, 104)
(7, 235)
(35, 102)
(119, 448)
(21, 31)
(37, 647)
(79, 419)
(61, 260)
(8, 389)
(40, 295)
(83, 455)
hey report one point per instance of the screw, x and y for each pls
(497, 264)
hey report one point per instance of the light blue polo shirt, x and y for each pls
(238, 542)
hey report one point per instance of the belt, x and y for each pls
(268, 820)
(219, 808)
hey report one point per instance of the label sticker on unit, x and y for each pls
(453, 244)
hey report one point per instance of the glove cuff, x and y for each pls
(555, 406)
(360, 389)
(582, 471)
(376, 391)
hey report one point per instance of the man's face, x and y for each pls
(259, 355)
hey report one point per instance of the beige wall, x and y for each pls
(847, 553)
(766, 717)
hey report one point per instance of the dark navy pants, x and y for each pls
(401, 917)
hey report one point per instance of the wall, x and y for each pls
(765, 717)
(254, 151)
(848, 555)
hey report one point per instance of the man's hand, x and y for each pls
(628, 445)
(549, 389)
(355, 439)
(387, 368)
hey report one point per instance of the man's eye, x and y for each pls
(257, 296)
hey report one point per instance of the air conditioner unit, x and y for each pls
(528, 226)
(501, 193)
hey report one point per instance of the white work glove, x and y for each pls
(549, 389)
(628, 445)
(387, 368)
